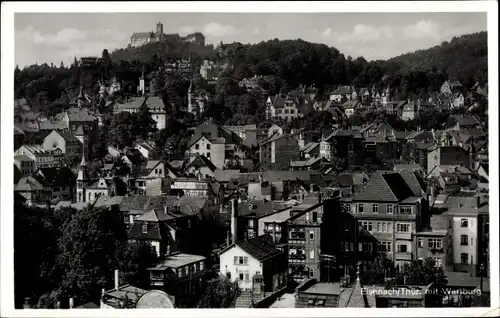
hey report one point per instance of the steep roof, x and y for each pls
(388, 187)
(259, 247)
(414, 181)
(202, 161)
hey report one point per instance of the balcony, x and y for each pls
(403, 235)
(404, 256)
(436, 250)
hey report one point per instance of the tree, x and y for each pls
(134, 259)
(220, 293)
(377, 271)
(121, 131)
(144, 123)
(421, 274)
(69, 252)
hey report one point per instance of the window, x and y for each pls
(241, 276)
(403, 227)
(464, 223)
(435, 243)
(384, 246)
(379, 226)
(311, 273)
(197, 147)
(347, 246)
(342, 245)
(360, 208)
(228, 275)
(375, 208)
(208, 146)
(464, 240)
(464, 258)
(208, 154)
(247, 277)
(360, 247)
(471, 241)
(402, 248)
(144, 228)
(405, 209)
(315, 217)
(250, 223)
(369, 247)
(389, 208)
(367, 225)
(311, 254)
(421, 242)
(311, 235)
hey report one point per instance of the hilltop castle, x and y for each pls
(141, 38)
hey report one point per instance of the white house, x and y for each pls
(244, 261)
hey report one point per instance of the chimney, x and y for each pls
(234, 219)
(228, 238)
(117, 279)
(71, 303)
(26, 303)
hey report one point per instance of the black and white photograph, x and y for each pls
(235, 159)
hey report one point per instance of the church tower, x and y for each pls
(81, 98)
(83, 177)
(142, 83)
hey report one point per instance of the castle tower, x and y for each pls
(159, 28)
(83, 178)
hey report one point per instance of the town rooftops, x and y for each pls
(36, 149)
(225, 175)
(176, 260)
(106, 201)
(259, 247)
(408, 167)
(81, 116)
(466, 120)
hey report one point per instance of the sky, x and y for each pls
(55, 37)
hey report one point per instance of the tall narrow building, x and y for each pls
(142, 83)
(192, 105)
(83, 178)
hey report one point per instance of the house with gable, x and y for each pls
(58, 181)
(450, 86)
(211, 148)
(255, 260)
(201, 166)
(285, 108)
